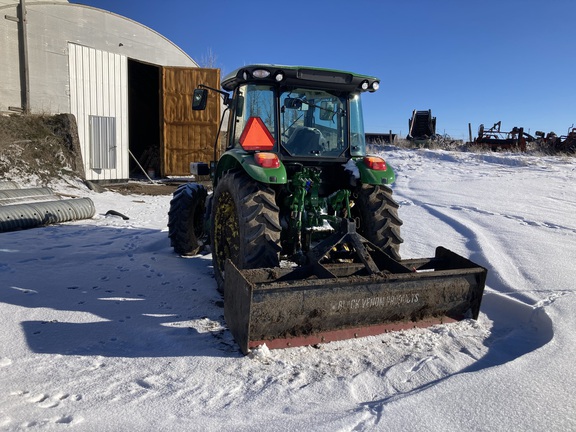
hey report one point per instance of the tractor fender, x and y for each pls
(375, 177)
(239, 159)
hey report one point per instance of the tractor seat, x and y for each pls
(305, 140)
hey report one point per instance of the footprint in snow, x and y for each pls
(420, 364)
(549, 300)
(66, 419)
(46, 401)
(142, 383)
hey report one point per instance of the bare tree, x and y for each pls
(208, 60)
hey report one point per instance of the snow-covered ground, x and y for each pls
(104, 328)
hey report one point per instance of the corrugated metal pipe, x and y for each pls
(8, 195)
(23, 216)
(7, 184)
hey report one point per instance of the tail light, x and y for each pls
(375, 163)
(267, 160)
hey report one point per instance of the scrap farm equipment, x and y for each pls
(422, 126)
(495, 139)
(563, 143)
(302, 225)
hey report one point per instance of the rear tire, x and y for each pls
(379, 223)
(245, 225)
(186, 218)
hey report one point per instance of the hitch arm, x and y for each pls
(374, 259)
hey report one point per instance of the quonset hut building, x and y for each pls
(128, 87)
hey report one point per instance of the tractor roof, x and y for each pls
(300, 76)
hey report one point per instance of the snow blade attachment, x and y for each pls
(294, 307)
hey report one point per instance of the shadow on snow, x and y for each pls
(142, 300)
(122, 292)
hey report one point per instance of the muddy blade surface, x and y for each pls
(284, 307)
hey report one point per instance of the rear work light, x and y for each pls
(375, 163)
(267, 160)
(260, 73)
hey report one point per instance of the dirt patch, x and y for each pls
(164, 187)
(137, 188)
(42, 146)
(46, 149)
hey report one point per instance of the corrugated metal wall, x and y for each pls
(188, 136)
(51, 25)
(78, 63)
(99, 100)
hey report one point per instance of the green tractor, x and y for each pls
(302, 224)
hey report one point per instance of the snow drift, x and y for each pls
(105, 328)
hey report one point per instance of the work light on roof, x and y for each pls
(261, 73)
(375, 85)
(364, 85)
(279, 76)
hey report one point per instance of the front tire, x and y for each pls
(245, 225)
(186, 218)
(379, 223)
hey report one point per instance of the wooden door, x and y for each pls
(187, 136)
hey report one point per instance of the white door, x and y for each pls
(99, 100)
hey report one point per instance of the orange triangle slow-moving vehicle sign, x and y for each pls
(256, 136)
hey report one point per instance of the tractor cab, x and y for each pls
(304, 123)
(308, 115)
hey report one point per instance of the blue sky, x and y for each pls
(468, 61)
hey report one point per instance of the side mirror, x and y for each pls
(293, 103)
(239, 105)
(199, 99)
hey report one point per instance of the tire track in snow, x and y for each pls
(519, 328)
(520, 219)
